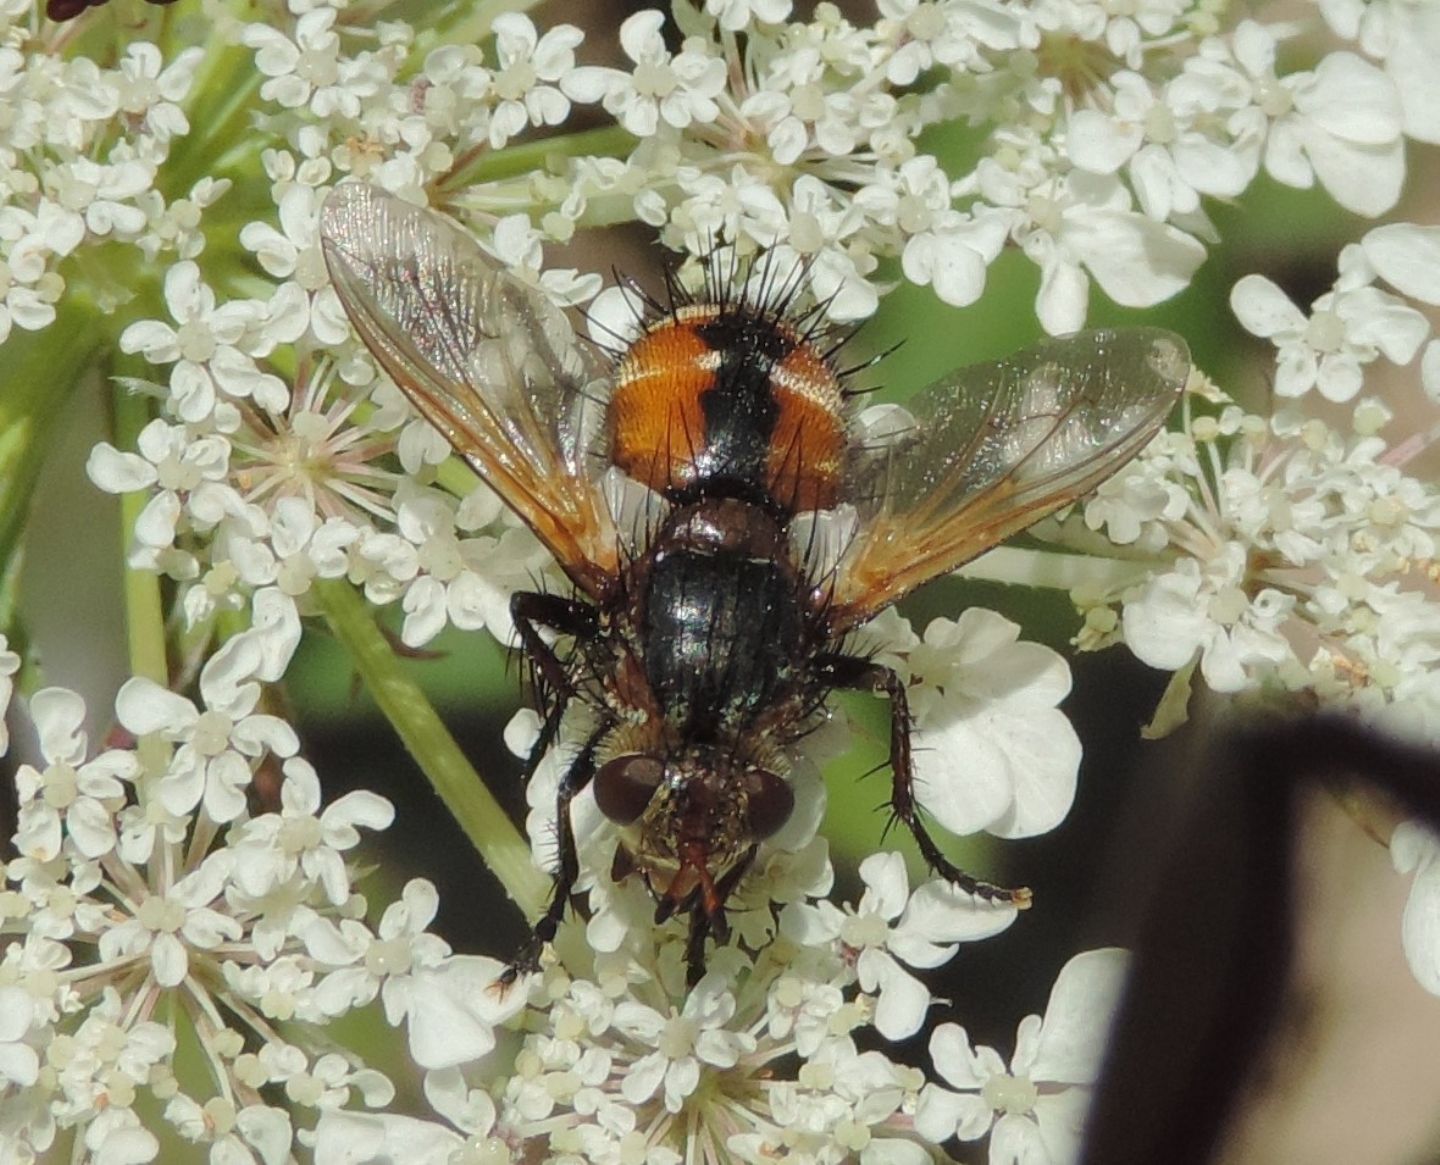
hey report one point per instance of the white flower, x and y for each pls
(889, 925)
(72, 797)
(9, 665)
(1407, 256)
(1340, 124)
(293, 253)
(1082, 225)
(1414, 849)
(526, 60)
(991, 749)
(205, 347)
(682, 1043)
(1170, 142)
(311, 70)
(1035, 1110)
(232, 1132)
(189, 479)
(19, 1062)
(737, 14)
(304, 840)
(1203, 610)
(467, 582)
(676, 90)
(149, 87)
(1347, 328)
(1405, 35)
(452, 1002)
(167, 926)
(218, 746)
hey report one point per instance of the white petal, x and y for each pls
(1263, 309)
(358, 808)
(1137, 262)
(643, 1078)
(169, 960)
(941, 1114)
(126, 1146)
(1015, 1140)
(1350, 98)
(1063, 298)
(454, 1010)
(353, 1138)
(1407, 257)
(117, 472)
(59, 718)
(143, 706)
(1361, 178)
(904, 1000)
(1101, 144)
(19, 1063)
(266, 1130)
(1338, 377)
(960, 1064)
(1429, 379)
(940, 913)
(887, 884)
(1412, 847)
(961, 776)
(91, 827)
(1411, 61)
(17, 1012)
(1165, 626)
(1077, 1018)
(155, 525)
(1043, 752)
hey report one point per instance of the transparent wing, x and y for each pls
(992, 450)
(487, 360)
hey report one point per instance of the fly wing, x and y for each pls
(992, 450)
(487, 360)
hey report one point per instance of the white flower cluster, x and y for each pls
(1103, 129)
(1098, 133)
(166, 898)
(80, 149)
(1282, 549)
(1296, 555)
(759, 1061)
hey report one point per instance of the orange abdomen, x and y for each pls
(719, 401)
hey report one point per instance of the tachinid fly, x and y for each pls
(707, 634)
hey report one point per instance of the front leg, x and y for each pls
(859, 674)
(705, 922)
(576, 777)
(531, 610)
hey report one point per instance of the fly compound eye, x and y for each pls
(770, 805)
(624, 786)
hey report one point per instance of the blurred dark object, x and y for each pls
(1214, 944)
(59, 10)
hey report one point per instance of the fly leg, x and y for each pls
(708, 917)
(576, 777)
(530, 610)
(858, 674)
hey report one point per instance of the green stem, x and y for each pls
(485, 823)
(144, 611)
(37, 376)
(219, 114)
(1045, 568)
(496, 165)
